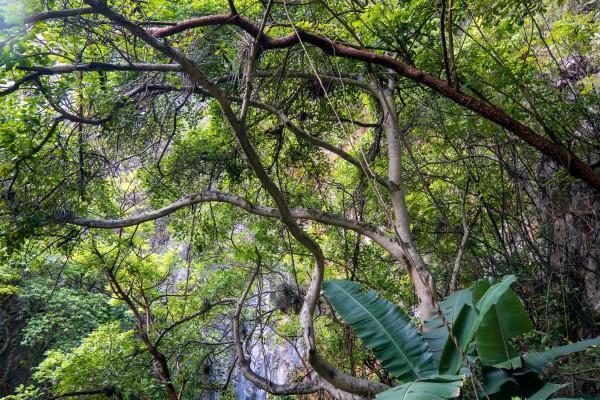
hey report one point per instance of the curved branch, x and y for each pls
(244, 362)
(18, 83)
(564, 157)
(55, 14)
(335, 377)
(363, 228)
(99, 66)
(342, 381)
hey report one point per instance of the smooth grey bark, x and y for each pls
(421, 278)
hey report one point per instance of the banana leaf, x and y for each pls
(384, 328)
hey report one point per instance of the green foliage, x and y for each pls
(103, 359)
(451, 307)
(480, 321)
(538, 361)
(457, 170)
(546, 391)
(61, 316)
(23, 392)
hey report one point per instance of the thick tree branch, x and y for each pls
(342, 381)
(18, 83)
(561, 155)
(554, 151)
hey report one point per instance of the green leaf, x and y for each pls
(384, 328)
(495, 378)
(437, 333)
(451, 359)
(493, 294)
(467, 324)
(526, 380)
(492, 337)
(432, 388)
(538, 361)
(546, 391)
(479, 289)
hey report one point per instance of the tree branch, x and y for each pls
(244, 362)
(100, 66)
(554, 151)
(56, 14)
(342, 381)
(561, 155)
(218, 197)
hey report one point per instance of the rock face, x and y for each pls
(271, 357)
(276, 361)
(571, 215)
(15, 359)
(575, 238)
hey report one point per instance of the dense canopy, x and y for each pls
(211, 199)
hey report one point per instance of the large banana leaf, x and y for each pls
(384, 328)
(538, 361)
(503, 321)
(524, 382)
(548, 390)
(493, 346)
(494, 332)
(437, 332)
(433, 388)
(467, 324)
(451, 359)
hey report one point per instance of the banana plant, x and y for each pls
(482, 319)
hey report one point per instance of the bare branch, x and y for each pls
(98, 66)
(56, 14)
(18, 83)
(244, 362)
(219, 197)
